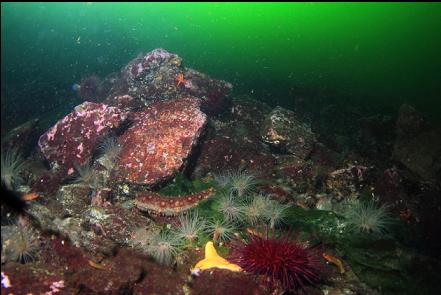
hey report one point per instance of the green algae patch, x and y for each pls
(181, 185)
(326, 224)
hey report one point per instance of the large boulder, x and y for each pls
(420, 154)
(285, 133)
(159, 142)
(159, 75)
(72, 139)
(22, 138)
(417, 146)
(410, 122)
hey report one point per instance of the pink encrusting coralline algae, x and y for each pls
(159, 141)
(72, 139)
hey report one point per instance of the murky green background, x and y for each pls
(378, 54)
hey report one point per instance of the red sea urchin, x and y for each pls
(281, 259)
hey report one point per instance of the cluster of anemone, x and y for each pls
(274, 212)
(231, 208)
(12, 165)
(240, 183)
(284, 261)
(253, 211)
(264, 209)
(367, 217)
(239, 203)
(190, 226)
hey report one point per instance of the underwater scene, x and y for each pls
(221, 148)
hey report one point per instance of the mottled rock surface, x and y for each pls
(72, 139)
(159, 142)
(159, 75)
(284, 132)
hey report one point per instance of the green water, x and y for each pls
(376, 54)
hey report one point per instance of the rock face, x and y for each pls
(420, 154)
(72, 139)
(233, 142)
(159, 141)
(159, 75)
(284, 132)
(410, 122)
(22, 137)
(417, 147)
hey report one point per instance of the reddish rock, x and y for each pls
(219, 281)
(73, 138)
(159, 142)
(159, 75)
(115, 276)
(159, 280)
(59, 252)
(35, 279)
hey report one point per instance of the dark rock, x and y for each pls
(410, 122)
(22, 138)
(420, 154)
(285, 133)
(92, 89)
(233, 142)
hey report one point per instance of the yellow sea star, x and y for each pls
(213, 260)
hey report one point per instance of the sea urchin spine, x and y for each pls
(280, 259)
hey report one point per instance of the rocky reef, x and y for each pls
(121, 195)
